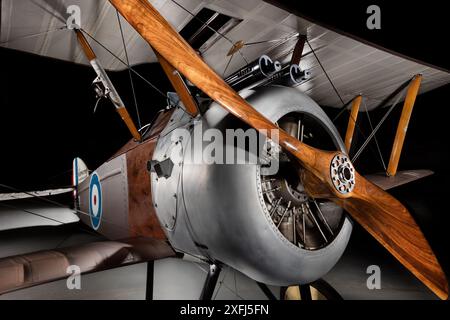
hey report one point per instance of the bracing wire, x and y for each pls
(28, 36)
(325, 72)
(210, 28)
(375, 137)
(343, 109)
(344, 105)
(228, 64)
(30, 212)
(361, 149)
(154, 87)
(127, 63)
(296, 35)
(129, 71)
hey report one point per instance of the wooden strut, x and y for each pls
(298, 50)
(383, 216)
(402, 128)
(352, 122)
(114, 97)
(179, 85)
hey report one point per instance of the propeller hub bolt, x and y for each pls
(342, 174)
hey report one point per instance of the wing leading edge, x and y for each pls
(22, 271)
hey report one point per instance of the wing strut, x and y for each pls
(110, 90)
(352, 122)
(408, 105)
(179, 85)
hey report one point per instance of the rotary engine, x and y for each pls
(252, 215)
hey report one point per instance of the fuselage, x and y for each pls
(215, 210)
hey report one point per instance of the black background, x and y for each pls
(47, 115)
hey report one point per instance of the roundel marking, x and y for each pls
(95, 201)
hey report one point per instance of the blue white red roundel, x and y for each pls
(95, 201)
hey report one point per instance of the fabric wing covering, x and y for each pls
(354, 67)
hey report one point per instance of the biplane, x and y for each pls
(233, 65)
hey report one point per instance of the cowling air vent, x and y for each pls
(200, 31)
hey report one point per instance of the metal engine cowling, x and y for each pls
(223, 212)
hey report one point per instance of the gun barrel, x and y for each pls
(253, 73)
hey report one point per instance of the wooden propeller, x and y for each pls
(384, 217)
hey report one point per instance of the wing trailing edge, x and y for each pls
(401, 178)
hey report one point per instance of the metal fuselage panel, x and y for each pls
(125, 192)
(217, 211)
(113, 214)
(142, 219)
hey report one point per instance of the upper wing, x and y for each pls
(353, 66)
(35, 26)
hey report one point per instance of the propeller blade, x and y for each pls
(391, 224)
(326, 174)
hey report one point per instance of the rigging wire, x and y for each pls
(342, 110)
(154, 87)
(228, 64)
(226, 270)
(129, 71)
(100, 44)
(44, 217)
(127, 63)
(211, 28)
(344, 105)
(296, 35)
(232, 291)
(221, 283)
(361, 149)
(34, 35)
(325, 72)
(375, 137)
(30, 212)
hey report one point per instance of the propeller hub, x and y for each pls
(342, 174)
